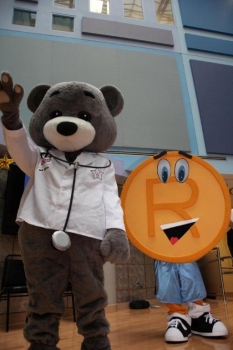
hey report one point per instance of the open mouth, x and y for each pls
(177, 230)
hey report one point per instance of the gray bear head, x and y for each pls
(74, 116)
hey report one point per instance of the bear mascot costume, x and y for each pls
(70, 216)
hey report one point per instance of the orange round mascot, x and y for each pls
(177, 208)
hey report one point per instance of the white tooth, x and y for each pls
(179, 223)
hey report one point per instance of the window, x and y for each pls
(163, 9)
(65, 3)
(33, 1)
(99, 6)
(63, 23)
(24, 18)
(133, 9)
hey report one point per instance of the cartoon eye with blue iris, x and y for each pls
(181, 170)
(164, 170)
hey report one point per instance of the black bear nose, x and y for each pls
(67, 128)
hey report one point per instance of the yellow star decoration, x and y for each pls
(5, 162)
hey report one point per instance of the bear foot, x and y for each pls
(96, 343)
(36, 346)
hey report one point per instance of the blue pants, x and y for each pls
(178, 283)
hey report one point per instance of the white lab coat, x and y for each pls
(96, 205)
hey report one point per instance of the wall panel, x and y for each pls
(206, 44)
(153, 116)
(214, 89)
(210, 15)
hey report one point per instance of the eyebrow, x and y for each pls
(156, 156)
(187, 155)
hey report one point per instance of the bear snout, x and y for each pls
(67, 128)
(68, 134)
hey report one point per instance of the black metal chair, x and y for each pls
(13, 282)
(227, 270)
(211, 265)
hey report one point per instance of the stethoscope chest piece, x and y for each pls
(61, 240)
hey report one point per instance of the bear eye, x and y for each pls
(164, 170)
(84, 116)
(88, 93)
(55, 114)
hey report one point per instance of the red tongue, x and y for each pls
(173, 240)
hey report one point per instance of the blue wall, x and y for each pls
(210, 15)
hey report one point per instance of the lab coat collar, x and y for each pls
(85, 158)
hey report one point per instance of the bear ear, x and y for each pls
(114, 99)
(36, 96)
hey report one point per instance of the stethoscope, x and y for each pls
(61, 239)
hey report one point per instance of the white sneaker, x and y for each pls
(204, 323)
(178, 328)
(208, 326)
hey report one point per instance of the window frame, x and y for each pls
(29, 1)
(24, 11)
(156, 17)
(64, 7)
(100, 13)
(63, 16)
(134, 18)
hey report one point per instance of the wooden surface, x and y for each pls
(132, 330)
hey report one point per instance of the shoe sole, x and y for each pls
(209, 335)
(178, 341)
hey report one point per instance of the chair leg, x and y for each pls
(221, 275)
(7, 312)
(74, 316)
